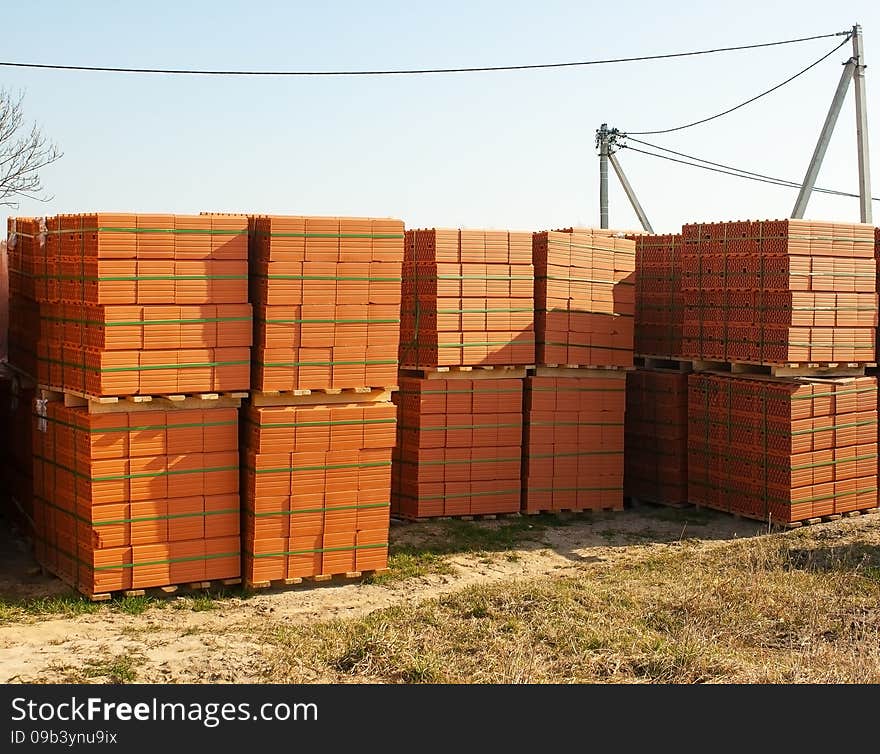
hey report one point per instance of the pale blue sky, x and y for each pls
(507, 150)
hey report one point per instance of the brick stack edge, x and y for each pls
(468, 301)
(139, 305)
(574, 417)
(317, 478)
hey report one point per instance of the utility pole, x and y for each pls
(606, 142)
(862, 126)
(602, 143)
(853, 69)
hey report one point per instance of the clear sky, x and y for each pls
(505, 150)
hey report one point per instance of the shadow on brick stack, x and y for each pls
(575, 396)
(780, 322)
(18, 376)
(143, 358)
(467, 335)
(320, 425)
(656, 397)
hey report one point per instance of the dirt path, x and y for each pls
(174, 641)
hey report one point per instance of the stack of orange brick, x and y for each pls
(22, 245)
(782, 450)
(659, 306)
(316, 490)
(320, 428)
(584, 297)
(468, 304)
(656, 436)
(467, 299)
(136, 499)
(574, 441)
(459, 447)
(143, 304)
(574, 413)
(326, 292)
(779, 291)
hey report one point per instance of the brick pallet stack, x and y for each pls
(656, 407)
(145, 321)
(791, 300)
(18, 380)
(575, 401)
(24, 234)
(320, 427)
(656, 460)
(467, 334)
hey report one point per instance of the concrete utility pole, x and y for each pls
(606, 142)
(862, 126)
(853, 69)
(602, 143)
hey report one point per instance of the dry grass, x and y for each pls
(802, 606)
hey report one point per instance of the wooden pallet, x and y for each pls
(322, 397)
(572, 511)
(665, 504)
(165, 591)
(463, 517)
(487, 372)
(602, 367)
(789, 369)
(827, 519)
(580, 372)
(318, 579)
(128, 403)
(664, 364)
(794, 524)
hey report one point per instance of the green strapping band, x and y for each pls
(459, 494)
(130, 278)
(336, 423)
(478, 277)
(457, 461)
(484, 311)
(575, 489)
(116, 477)
(140, 519)
(365, 506)
(144, 428)
(462, 426)
(576, 424)
(329, 321)
(172, 231)
(577, 453)
(392, 236)
(329, 277)
(364, 465)
(321, 549)
(577, 345)
(189, 559)
(322, 363)
(584, 280)
(460, 392)
(144, 323)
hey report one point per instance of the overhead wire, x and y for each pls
(718, 167)
(413, 71)
(746, 102)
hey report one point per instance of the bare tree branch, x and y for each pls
(23, 153)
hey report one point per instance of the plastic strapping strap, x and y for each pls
(40, 406)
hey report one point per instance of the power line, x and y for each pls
(410, 71)
(748, 101)
(786, 181)
(737, 173)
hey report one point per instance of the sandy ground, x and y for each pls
(175, 643)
